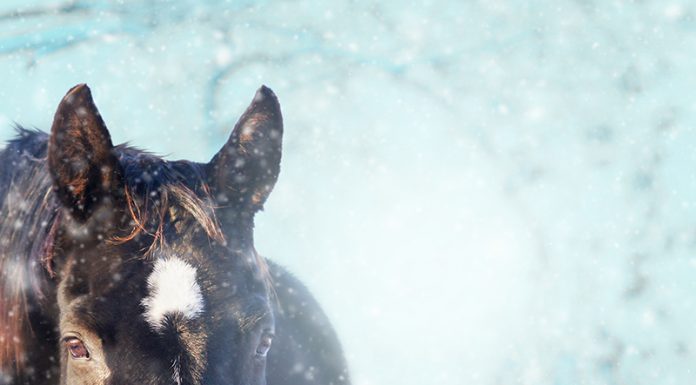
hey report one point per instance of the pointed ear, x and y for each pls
(81, 160)
(246, 168)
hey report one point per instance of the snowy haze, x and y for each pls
(478, 192)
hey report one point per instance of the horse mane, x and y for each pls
(158, 194)
(28, 213)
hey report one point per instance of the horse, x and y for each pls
(118, 267)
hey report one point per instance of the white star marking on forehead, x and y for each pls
(173, 289)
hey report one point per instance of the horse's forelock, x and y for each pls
(150, 213)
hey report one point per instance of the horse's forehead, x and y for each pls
(173, 289)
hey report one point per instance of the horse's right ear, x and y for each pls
(81, 160)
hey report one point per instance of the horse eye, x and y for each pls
(264, 345)
(76, 347)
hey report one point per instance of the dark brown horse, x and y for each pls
(118, 267)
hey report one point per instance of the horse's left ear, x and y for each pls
(81, 160)
(245, 170)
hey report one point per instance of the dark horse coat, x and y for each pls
(118, 267)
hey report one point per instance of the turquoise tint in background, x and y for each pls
(479, 192)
